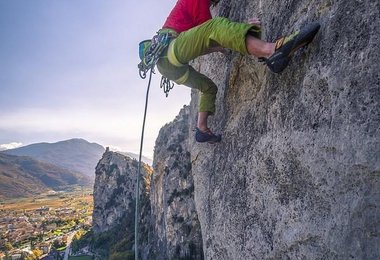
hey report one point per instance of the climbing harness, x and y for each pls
(150, 51)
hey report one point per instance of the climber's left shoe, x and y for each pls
(206, 136)
(286, 46)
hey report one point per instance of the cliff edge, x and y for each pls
(297, 174)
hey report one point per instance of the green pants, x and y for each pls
(195, 42)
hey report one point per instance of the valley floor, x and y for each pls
(37, 226)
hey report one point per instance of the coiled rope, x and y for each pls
(158, 43)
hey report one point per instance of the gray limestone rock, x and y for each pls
(174, 231)
(297, 174)
(114, 190)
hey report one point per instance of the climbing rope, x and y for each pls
(148, 62)
(137, 209)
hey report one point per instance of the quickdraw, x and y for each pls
(158, 43)
(166, 85)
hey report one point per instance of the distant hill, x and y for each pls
(136, 157)
(77, 155)
(22, 176)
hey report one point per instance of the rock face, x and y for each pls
(174, 229)
(114, 190)
(169, 226)
(297, 175)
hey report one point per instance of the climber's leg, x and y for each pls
(215, 32)
(286, 46)
(206, 136)
(259, 48)
(208, 92)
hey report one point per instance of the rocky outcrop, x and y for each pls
(297, 175)
(114, 191)
(169, 226)
(174, 229)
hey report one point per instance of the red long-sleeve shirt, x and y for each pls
(187, 14)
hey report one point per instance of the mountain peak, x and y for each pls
(74, 154)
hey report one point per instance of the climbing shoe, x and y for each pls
(206, 136)
(286, 46)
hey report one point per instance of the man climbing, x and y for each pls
(193, 32)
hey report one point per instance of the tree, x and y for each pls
(58, 244)
(32, 241)
(37, 253)
(8, 246)
(26, 256)
(40, 236)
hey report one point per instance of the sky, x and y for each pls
(68, 69)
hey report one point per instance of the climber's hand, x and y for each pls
(255, 21)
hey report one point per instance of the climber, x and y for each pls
(194, 32)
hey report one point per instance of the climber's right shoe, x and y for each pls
(286, 46)
(206, 136)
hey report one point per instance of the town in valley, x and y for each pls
(44, 226)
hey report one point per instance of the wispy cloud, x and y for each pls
(9, 146)
(115, 124)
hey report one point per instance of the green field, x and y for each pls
(72, 199)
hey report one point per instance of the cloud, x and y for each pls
(112, 122)
(9, 146)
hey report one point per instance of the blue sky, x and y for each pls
(68, 69)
